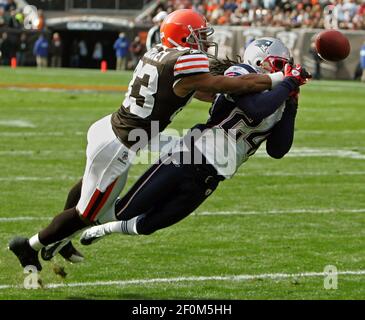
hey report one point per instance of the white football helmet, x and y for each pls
(267, 55)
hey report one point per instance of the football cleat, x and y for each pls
(26, 255)
(92, 235)
(65, 249)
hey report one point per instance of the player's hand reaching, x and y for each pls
(297, 73)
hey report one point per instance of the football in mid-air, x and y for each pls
(332, 45)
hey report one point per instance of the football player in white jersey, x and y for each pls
(181, 180)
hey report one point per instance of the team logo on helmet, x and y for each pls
(263, 44)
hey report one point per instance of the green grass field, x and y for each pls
(266, 234)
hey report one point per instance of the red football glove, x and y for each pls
(297, 72)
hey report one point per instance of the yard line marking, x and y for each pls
(220, 213)
(287, 211)
(301, 174)
(243, 174)
(15, 219)
(40, 152)
(235, 278)
(261, 153)
(25, 178)
(329, 132)
(64, 87)
(17, 123)
(317, 152)
(31, 134)
(58, 178)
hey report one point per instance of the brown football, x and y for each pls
(332, 45)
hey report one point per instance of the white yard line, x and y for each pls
(261, 153)
(26, 178)
(317, 152)
(221, 213)
(278, 211)
(300, 174)
(17, 219)
(243, 174)
(17, 123)
(234, 278)
(31, 134)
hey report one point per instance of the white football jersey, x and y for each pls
(234, 137)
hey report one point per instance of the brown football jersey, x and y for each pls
(150, 95)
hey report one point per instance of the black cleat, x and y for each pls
(67, 251)
(26, 255)
(71, 254)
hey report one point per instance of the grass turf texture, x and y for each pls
(304, 212)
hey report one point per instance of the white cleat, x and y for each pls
(93, 234)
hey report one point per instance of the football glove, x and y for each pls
(297, 72)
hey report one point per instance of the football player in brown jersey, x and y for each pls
(164, 81)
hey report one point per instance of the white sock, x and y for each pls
(130, 226)
(112, 227)
(125, 227)
(35, 243)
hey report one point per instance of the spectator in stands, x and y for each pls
(13, 21)
(317, 61)
(83, 53)
(22, 50)
(121, 46)
(153, 36)
(3, 3)
(344, 14)
(40, 51)
(75, 55)
(10, 5)
(362, 61)
(3, 21)
(97, 54)
(137, 49)
(5, 49)
(56, 51)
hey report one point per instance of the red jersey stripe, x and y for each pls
(192, 67)
(192, 59)
(105, 197)
(91, 203)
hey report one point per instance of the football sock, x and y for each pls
(125, 227)
(73, 196)
(62, 226)
(35, 243)
(130, 226)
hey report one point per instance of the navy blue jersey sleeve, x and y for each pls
(260, 105)
(281, 138)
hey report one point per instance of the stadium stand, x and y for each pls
(342, 14)
(80, 24)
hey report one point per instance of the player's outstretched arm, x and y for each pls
(281, 138)
(206, 82)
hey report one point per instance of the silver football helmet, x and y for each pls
(267, 55)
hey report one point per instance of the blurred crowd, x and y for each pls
(48, 51)
(341, 14)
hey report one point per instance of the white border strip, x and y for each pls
(242, 277)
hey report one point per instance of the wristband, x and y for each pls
(276, 78)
